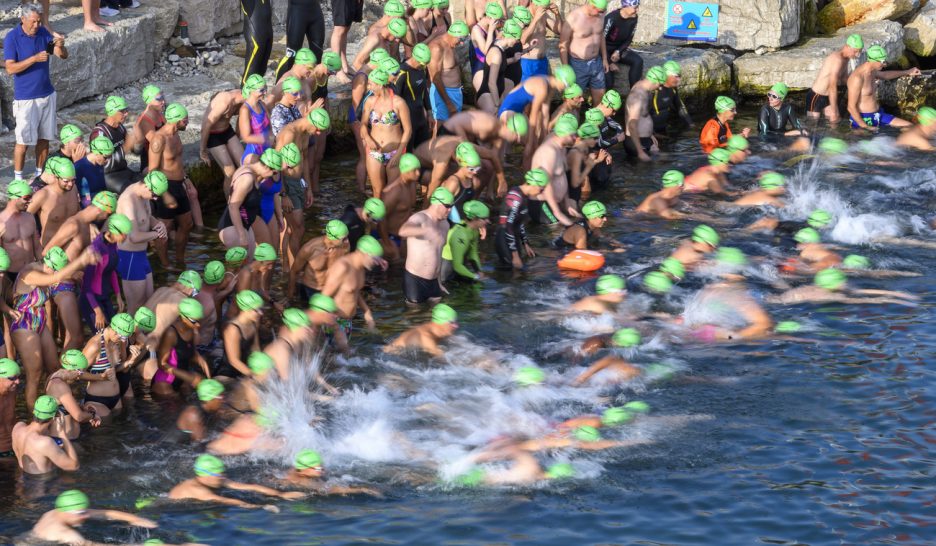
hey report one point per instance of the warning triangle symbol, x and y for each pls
(692, 25)
(707, 13)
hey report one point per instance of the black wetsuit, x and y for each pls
(619, 32)
(117, 175)
(465, 194)
(304, 21)
(258, 35)
(412, 86)
(355, 225)
(775, 122)
(611, 133)
(512, 225)
(664, 105)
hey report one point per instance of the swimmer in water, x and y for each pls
(830, 287)
(610, 292)
(524, 469)
(192, 420)
(587, 230)
(209, 477)
(739, 148)
(920, 137)
(613, 367)
(72, 510)
(661, 203)
(814, 256)
(772, 187)
(36, 450)
(611, 417)
(308, 472)
(712, 178)
(426, 337)
(704, 240)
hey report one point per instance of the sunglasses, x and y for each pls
(772, 96)
(295, 94)
(159, 98)
(13, 379)
(474, 170)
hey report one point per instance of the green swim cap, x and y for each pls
(771, 180)
(61, 167)
(672, 179)
(926, 115)
(594, 209)
(73, 359)
(336, 230)
(156, 182)
(102, 146)
(397, 27)
(295, 319)
(737, 143)
(69, 133)
(260, 363)
(18, 189)
(190, 279)
(528, 376)
(458, 29)
(704, 234)
(613, 417)
(4, 260)
(723, 104)
(175, 113)
(208, 465)
(560, 471)
(55, 258)
(152, 542)
(264, 253)
(612, 99)
(542, 3)
(594, 115)
(191, 309)
(588, 130)
(255, 82)
(370, 246)
(292, 85)
(656, 75)
(518, 124)
(248, 300)
(609, 284)
(145, 319)
(564, 74)
(235, 255)
(321, 302)
(637, 406)
(600, 4)
(476, 210)
(587, 434)
(658, 282)
(830, 279)
(422, 4)
(877, 54)
(467, 156)
(422, 53)
(626, 337)
(114, 104)
(409, 162)
(472, 478)
(806, 235)
(855, 41)
(306, 57)
(379, 77)
(391, 66)
(332, 61)
(442, 196)
(149, 93)
(320, 119)
(565, 127)
(307, 458)
(833, 146)
(123, 324)
(272, 159)
(780, 89)
(787, 327)
(377, 55)
(443, 314)
(209, 389)
(719, 156)
(45, 407)
(673, 267)
(290, 154)
(819, 219)
(375, 208)
(573, 91)
(731, 256)
(9, 368)
(522, 14)
(72, 501)
(854, 261)
(494, 10)
(105, 200)
(672, 68)
(536, 177)
(394, 8)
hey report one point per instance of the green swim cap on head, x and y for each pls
(594, 115)
(321, 302)
(290, 154)
(152, 542)
(370, 246)
(528, 376)
(123, 324)
(378, 77)
(440, 4)
(658, 282)
(787, 327)
(264, 253)
(422, 4)
(422, 53)
(613, 417)
(723, 104)
(9, 368)
(375, 208)
(588, 130)
(573, 91)
(390, 65)
(73, 359)
(295, 319)
(248, 300)
(656, 75)
(476, 210)
(397, 27)
(145, 319)
(855, 41)
(877, 54)
(518, 124)
(612, 99)
(156, 182)
(458, 29)
(599, 4)
(565, 127)
(472, 478)
(806, 235)
(587, 434)
(442, 196)
(260, 363)
(18, 188)
(536, 177)
(854, 261)
(63, 168)
(332, 61)
(443, 314)
(307, 458)
(672, 68)
(637, 406)
(833, 146)
(114, 104)
(394, 8)
(45, 407)
(704, 234)
(175, 113)
(737, 143)
(72, 501)
(4, 260)
(673, 267)
(626, 337)
(149, 93)
(522, 14)
(542, 3)
(336, 230)
(377, 55)
(560, 471)
(594, 209)
(830, 279)
(208, 465)
(190, 279)
(731, 256)
(564, 74)
(209, 389)
(672, 179)
(609, 284)
(55, 258)
(235, 255)
(926, 115)
(272, 159)
(819, 219)
(719, 156)
(105, 201)
(191, 309)
(69, 133)
(780, 89)
(494, 10)
(320, 119)
(292, 85)
(466, 155)
(102, 146)
(305, 57)
(771, 180)
(409, 162)
(255, 82)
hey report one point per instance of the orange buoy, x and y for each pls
(582, 260)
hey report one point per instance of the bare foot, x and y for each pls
(91, 27)
(103, 22)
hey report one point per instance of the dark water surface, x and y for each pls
(828, 440)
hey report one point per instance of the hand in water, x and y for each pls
(203, 154)
(270, 508)
(369, 320)
(529, 251)
(293, 495)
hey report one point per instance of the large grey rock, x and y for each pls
(705, 72)
(206, 18)
(743, 24)
(920, 32)
(844, 13)
(797, 67)
(166, 13)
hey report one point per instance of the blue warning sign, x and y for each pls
(691, 21)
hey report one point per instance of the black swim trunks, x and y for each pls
(420, 290)
(816, 102)
(345, 12)
(176, 190)
(645, 142)
(305, 293)
(220, 139)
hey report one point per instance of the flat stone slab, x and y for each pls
(705, 72)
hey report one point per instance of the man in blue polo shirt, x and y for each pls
(26, 51)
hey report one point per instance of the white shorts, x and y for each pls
(35, 120)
